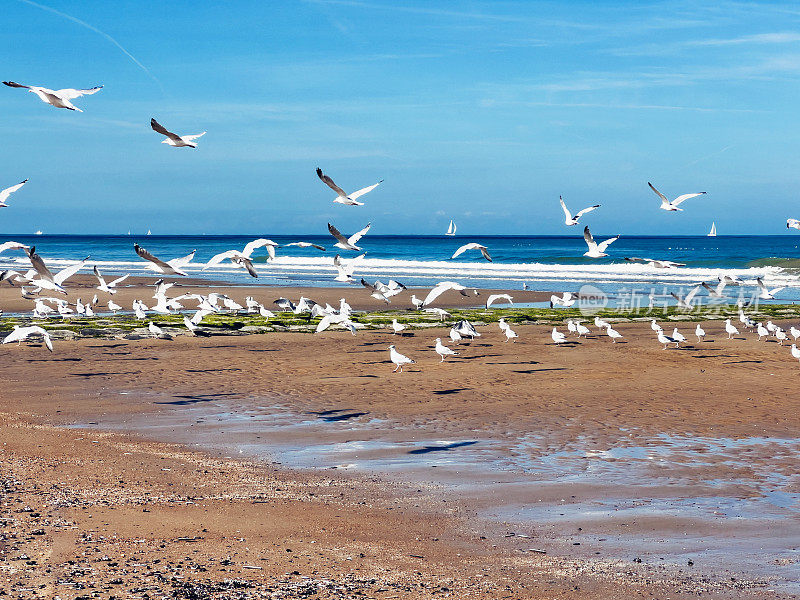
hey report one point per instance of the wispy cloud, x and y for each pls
(786, 37)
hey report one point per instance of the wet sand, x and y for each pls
(369, 529)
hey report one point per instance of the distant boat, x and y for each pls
(451, 229)
(713, 232)
(38, 232)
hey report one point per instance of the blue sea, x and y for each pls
(551, 263)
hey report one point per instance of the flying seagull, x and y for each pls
(57, 98)
(495, 297)
(306, 245)
(790, 223)
(764, 293)
(348, 243)
(18, 334)
(686, 301)
(596, 250)
(12, 246)
(345, 270)
(569, 219)
(440, 288)
(173, 139)
(658, 264)
(46, 279)
(4, 194)
(243, 258)
(170, 267)
(566, 300)
(110, 287)
(343, 197)
(473, 246)
(673, 206)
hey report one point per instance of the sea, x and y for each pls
(546, 263)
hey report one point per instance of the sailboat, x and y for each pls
(713, 232)
(451, 229)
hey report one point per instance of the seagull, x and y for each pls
(596, 250)
(502, 324)
(473, 246)
(557, 336)
(19, 334)
(672, 206)
(284, 304)
(793, 223)
(343, 197)
(443, 350)
(397, 327)
(780, 334)
(730, 329)
(678, 336)
(794, 331)
(418, 304)
(243, 258)
(306, 245)
(465, 328)
(613, 334)
(345, 270)
(138, 309)
(348, 243)
(156, 330)
(57, 98)
(566, 300)
(686, 301)
(582, 330)
(4, 194)
(495, 297)
(700, 333)
(600, 323)
(454, 335)
(762, 332)
(729, 279)
(771, 327)
(715, 292)
(398, 359)
(795, 352)
(664, 339)
(510, 334)
(766, 294)
(46, 279)
(655, 326)
(652, 262)
(569, 219)
(113, 306)
(439, 312)
(170, 267)
(189, 325)
(173, 139)
(571, 326)
(108, 287)
(441, 288)
(12, 246)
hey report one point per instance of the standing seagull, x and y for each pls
(730, 329)
(398, 359)
(173, 139)
(596, 250)
(348, 243)
(473, 246)
(443, 350)
(557, 336)
(343, 197)
(170, 267)
(4, 194)
(57, 98)
(613, 334)
(569, 219)
(699, 332)
(673, 206)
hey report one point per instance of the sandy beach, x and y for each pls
(124, 466)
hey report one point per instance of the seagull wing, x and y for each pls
(99, 277)
(16, 85)
(68, 272)
(363, 191)
(462, 249)
(260, 243)
(692, 294)
(587, 235)
(567, 214)
(38, 265)
(339, 237)
(680, 199)
(158, 128)
(586, 210)
(218, 258)
(485, 252)
(660, 195)
(247, 264)
(118, 280)
(12, 246)
(439, 289)
(178, 263)
(193, 137)
(603, 245)
(162, 266)
(71, 94)
(329, 182)
(761, 285)
(4, 194)
(353, 239)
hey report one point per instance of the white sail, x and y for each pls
(451, 229)
(713, 232)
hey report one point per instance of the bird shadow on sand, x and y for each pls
(185, 399)
(478, 356)
(107, 346)
(525, 362)
(531, 371)
(55, 359)
(212, 370)
(372, 344)
(338, 414)
(351, 376)
(105, 373)
(441, 447)
(263, 350)
(450, 391)
(740, 362)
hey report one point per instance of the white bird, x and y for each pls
(502, 324)
(571, 326)
(566, 300)
(715, 292)
(89, 311)
(764, 293)
(771, 327)
(12, 246)
(284, 304)
(46, 279)
(600, 323)
(455, 337)
(343, 197)
(557, 336)
(780, 334)
(569, 219)
(441, 288)
(138, 310)
(511, 334)
(348, 243)
(306, 245)
(19, 334)
(173, 139)
(243, 258)
(494, 297)
(231, 304)
(466, 329)
(596, 250)
(155, 329)
(652, 262)
(730, 329)
(4, 194)
(397, 327)
(762, 331)
(700, 333)
(344, 307)
(795, 351)
(582, 329)
(613, 334)
(655, 326)
(345, 269)
(439, 312)
(418, 304)
(110, 287)
(57, 98)
(443, 350)
(265, 312)
(729, 279)
(685, 302)
(398, 359)
(113, 306)
(473, 246)
(189, 325)
(792, 223)
(672, 206)
(343, 320)
(170, 267)
(794, 331)
(677, 336)
(664, 339)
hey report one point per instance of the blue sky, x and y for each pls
(479, 111)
